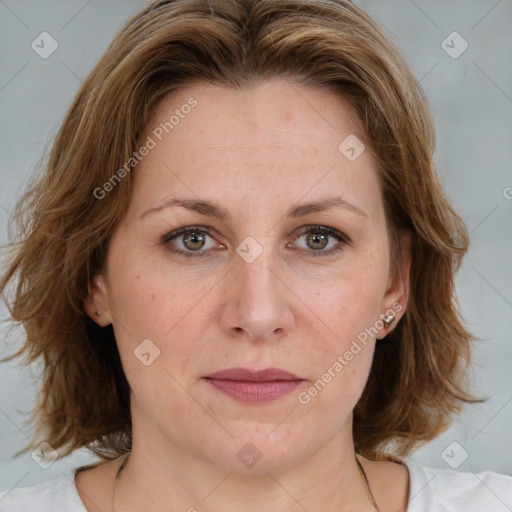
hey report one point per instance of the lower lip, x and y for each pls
(255, 392)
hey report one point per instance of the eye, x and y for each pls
(317, 239)
(190, 240)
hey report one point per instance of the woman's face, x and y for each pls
(247, 286)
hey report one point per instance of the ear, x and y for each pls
(397, 289)
(97, 301)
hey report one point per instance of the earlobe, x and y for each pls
(96, 303)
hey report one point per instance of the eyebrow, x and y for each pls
(211, 209)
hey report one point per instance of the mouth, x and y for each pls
(254, 386)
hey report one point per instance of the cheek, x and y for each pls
(340, 357)
(155, 327)
(350, 301)
(171, 309)
(344, 330)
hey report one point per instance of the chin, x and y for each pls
(253, 450)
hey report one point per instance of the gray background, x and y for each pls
(471, 97)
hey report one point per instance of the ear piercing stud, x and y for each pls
(97, 313)
(388, 319)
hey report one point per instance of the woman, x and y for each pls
(238, 269)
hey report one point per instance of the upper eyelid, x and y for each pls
(326, 229)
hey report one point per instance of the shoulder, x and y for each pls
(446, 490)
(57, 495)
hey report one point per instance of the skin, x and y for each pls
(256, 152)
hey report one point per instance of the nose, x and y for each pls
(256, 303)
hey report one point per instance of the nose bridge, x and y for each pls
(256, 299)
(254, 271)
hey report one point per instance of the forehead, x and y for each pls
(277, 109)
(276, 138)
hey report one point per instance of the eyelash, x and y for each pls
(342, 238)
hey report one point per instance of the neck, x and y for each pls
(147, 481)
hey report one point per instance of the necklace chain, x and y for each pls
(118, 473)
(361, 469)
(367, 484)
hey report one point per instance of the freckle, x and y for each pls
(153, 296)
(138, 277)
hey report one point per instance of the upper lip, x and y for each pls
(246, 374)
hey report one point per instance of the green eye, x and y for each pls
(317, 239)
(192, 239)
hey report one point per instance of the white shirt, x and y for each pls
(430, 490)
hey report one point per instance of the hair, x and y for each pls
(419, 375)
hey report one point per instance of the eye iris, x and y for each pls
(194, 238)
(317, 238)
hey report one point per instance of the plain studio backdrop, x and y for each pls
(460, 53)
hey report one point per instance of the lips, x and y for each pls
(252, 386)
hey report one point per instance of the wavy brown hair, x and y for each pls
(418, 380)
